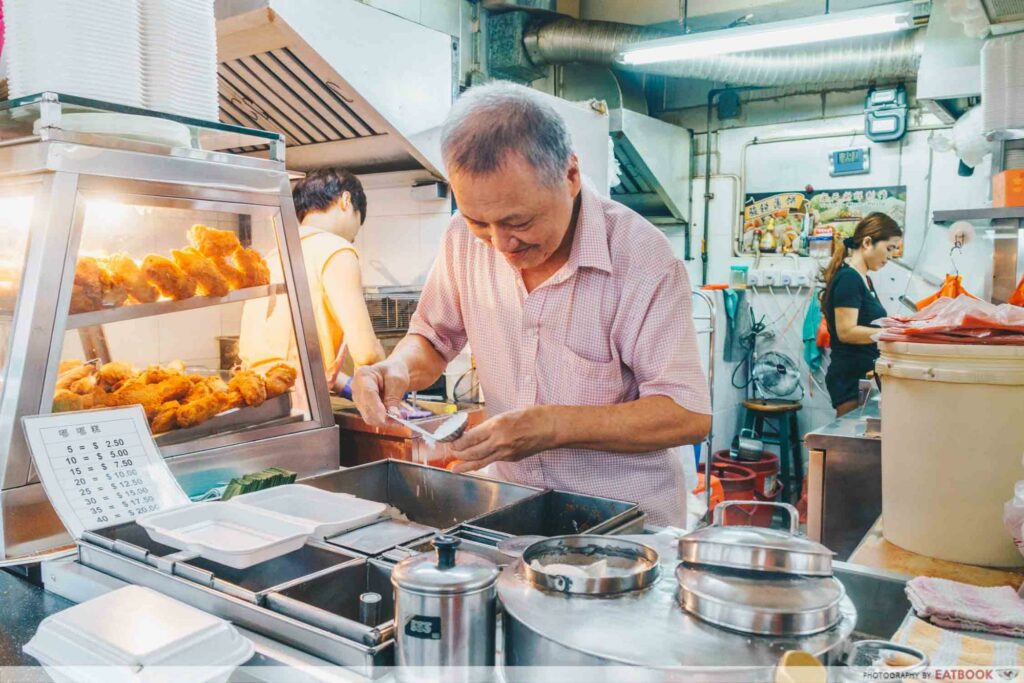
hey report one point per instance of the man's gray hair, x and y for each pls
(489, 121)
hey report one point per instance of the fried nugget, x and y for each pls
(250, 386)
(279, 379)
(65, 380)
(113, 294)
(163, 274)
(126, 272)
(112, 375)
(166, 418)
(151, 396)
(65, 401)
(253, 267)
(87, 290)
(213, 243)
(209, 281)
(199, 410)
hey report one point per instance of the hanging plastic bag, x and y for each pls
(952, 288)
(812, 334)
(1017, 298)
(823, 338)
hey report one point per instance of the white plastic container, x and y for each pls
(1013, 516)
(327, 513)
(952, 439)
(136, 635)
(236, 536)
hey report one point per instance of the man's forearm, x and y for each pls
(421, 359)
(647, 424)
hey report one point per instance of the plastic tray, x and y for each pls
(136, 634)
(328, 513)
(237, 536)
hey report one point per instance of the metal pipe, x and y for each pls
(895, 55)
(713, 323)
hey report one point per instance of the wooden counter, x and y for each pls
(875, 551)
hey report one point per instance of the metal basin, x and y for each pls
(426, 495)
(331, 601)
(559, 513)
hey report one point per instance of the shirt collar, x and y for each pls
(590, 243)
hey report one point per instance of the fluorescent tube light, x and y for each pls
(788, 33)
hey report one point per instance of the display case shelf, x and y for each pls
(132, 312)
(986, 214)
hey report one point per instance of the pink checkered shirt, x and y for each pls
(611, 326)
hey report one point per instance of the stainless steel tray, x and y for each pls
(331, 601)
(560, 513)
(426, 495)
(376, 538)
(272, 410)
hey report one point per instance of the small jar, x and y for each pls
(738, 277)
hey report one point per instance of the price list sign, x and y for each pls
(100, 467)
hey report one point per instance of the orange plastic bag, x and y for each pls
(1017, 298)
(823, 339)
(717, 492)
(952, 288)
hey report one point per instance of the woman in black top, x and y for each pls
(850, 305)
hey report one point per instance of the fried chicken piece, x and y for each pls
(213, 243)
(113, 294)
(126, 272)
(65, 380)
(65, 401)
(172, 282)
(236, 278)
(166, 418)
(66, 365)
(209, 281)
(154, 374)
(176, 367)
(250, 386)
(151, 396)
(97, 398)
(87, 290)
(253, 267)
(279, 379)
(233, 399)
(112, 375)
(83, 386)
(199, 410)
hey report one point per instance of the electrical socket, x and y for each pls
(770, 278)
(786, 278)
(802, 280)
(754, 278)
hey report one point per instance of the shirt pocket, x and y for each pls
(585, 382)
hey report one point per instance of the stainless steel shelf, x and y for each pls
(1008, 213)
(131, 312)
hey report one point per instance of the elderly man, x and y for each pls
(574, 306)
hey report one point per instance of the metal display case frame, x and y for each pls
(62, 167)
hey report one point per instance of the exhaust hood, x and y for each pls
(654, 166)
(950, 71)
(345, 83)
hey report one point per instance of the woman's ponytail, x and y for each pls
(839, 252)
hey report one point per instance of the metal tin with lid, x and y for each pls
(445, 610)
(756, 549)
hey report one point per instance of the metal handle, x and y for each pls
(445, 546)
(369, 608)
(794, 516)
(748, 433)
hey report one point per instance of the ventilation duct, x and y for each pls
(884, 57)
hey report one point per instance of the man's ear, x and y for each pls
(345, 201)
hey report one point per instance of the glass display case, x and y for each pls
(132, 247)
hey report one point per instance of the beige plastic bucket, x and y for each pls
(952, 443)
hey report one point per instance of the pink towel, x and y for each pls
(969, 608)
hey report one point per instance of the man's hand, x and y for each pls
(378, 387)
(510, 436)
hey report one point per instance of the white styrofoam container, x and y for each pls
(136, 635)
(329, 513)
(236, 536)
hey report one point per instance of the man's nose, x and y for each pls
(505, 242)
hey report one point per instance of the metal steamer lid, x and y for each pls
(589, 565)
(760, 603)
(755, 549)
(446, 572)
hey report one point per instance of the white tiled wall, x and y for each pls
(401, 236)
